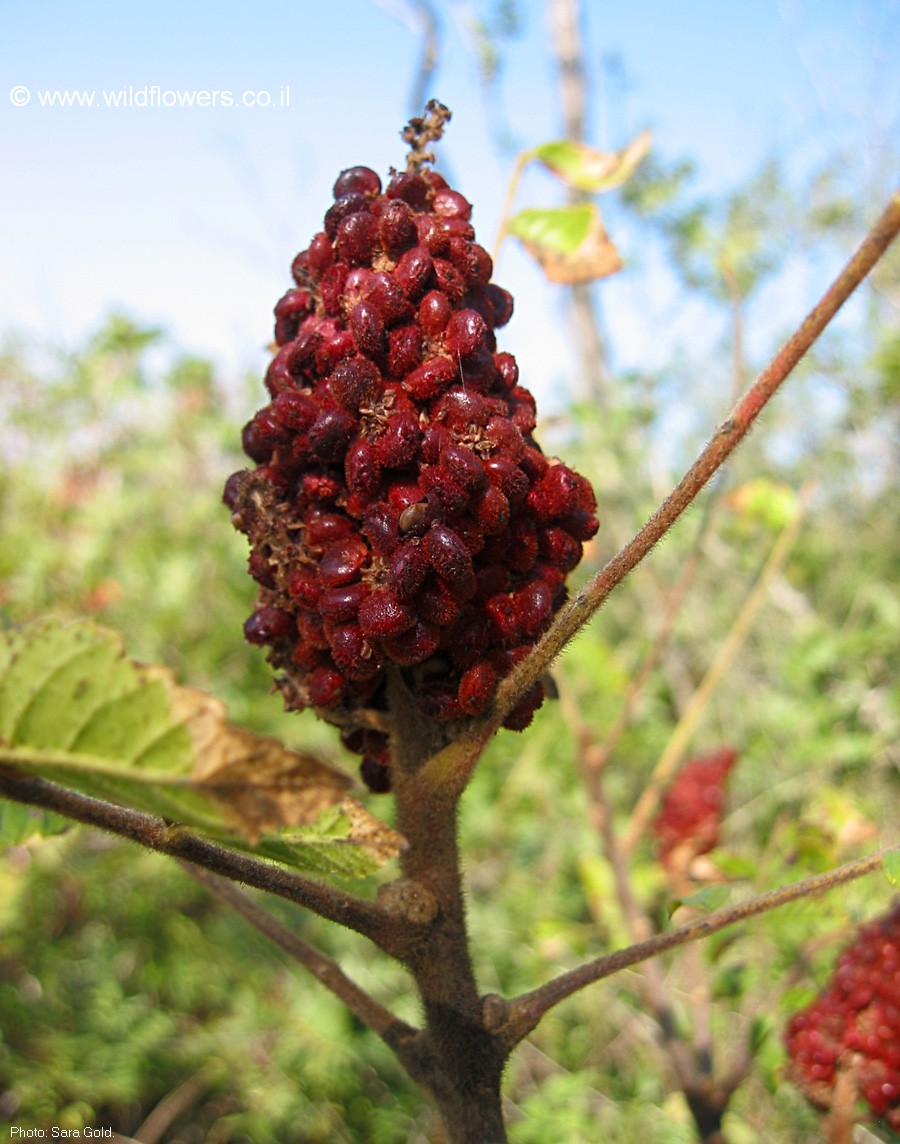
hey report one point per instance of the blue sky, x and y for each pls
(189, 217)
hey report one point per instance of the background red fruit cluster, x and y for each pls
(691, 815)
(854, 1025)
(401, 512)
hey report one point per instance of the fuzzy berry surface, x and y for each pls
(690, 818)
(400, 513)
(853, 1026)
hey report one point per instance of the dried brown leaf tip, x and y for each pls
(261, 785)
(597, 257)
(378, 840)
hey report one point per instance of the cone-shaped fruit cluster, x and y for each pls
(854, 1025)
(400, 512)
(692, 810)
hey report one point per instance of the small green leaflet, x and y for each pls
(75, 711)
(891, 866)
(18, 823)
(706, 900)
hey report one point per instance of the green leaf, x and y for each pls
(891, 867)
(75, 711)
(585, 169)
(707, 899)
(18, 823)
(560, 229)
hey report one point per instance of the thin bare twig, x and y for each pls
(675, 748)
(522, 161)
(690, 1059)
(173, 1105)
(365, 1008)
(155, 833)
(566, 20)
(425, 17)
(523, 1013)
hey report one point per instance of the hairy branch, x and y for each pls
(725, 440)
(527, 1010)
(325, 969)
(451, 769)
(155, 833)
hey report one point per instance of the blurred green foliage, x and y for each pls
(126, 990)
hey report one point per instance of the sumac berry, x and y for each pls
(409, 567)
(344, 206)
(268, 625)
(450, 559)
(327, 687)
(434, 313)
(357, 180)
(465, 333)
(382, 614)
(476, 688)
(331, 432)
(367, 327)
(398, 444)
(362, 469)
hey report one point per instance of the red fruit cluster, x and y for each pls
(692, 810)
(854, 1025)
(401, 512)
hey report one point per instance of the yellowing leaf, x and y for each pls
(580, 166)
(570, 243)
(75, 711)
(259, 784)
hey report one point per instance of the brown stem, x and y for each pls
(428, 27)
(365, 1008)
(566, 17)
(461, 1062)
(515, 178)
(156, 834)
(525, 1012)
(565, 23)
(736, 299)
